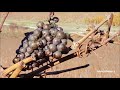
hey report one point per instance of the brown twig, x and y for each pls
(51, 14)
(1, 25)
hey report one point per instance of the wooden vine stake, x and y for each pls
(109, 23)
(13, 67)
(18, 70)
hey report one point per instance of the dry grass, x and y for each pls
(98, 19)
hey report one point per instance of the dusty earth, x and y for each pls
(103, 63)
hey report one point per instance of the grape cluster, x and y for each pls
(48, 40)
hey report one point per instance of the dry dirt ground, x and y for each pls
(103, 63)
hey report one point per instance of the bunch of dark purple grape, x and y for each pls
(48, 40)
